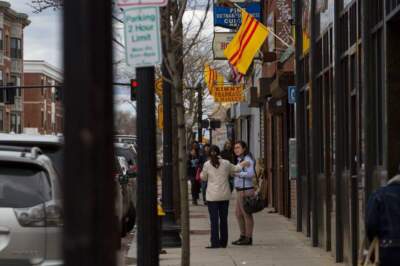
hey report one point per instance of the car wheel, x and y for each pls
(131, 218)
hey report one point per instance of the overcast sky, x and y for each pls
(43, 38)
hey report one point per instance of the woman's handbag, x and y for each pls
(198, 178)
(254, 203)
(369, 257)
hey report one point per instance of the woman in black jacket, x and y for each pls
(383, 221)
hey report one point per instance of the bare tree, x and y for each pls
(41, 5)
(123, 123)
(178, 43)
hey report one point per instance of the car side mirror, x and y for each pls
(131, 173)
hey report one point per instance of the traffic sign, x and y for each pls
(141, 3)
(292, 94)
(142, 36)
(230, 17)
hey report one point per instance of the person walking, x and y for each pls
(227, 154)
(203, 159)
(244, 187)
(193, 165)
(383, 221)
(216, 172)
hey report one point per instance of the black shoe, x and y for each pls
(247, 241)
(195, 203)
(239, 240)
(209, 247)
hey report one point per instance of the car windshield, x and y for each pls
(23, 186)
(127, 153)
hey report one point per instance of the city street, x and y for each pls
(276, 243)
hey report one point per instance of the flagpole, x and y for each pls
(268, 28)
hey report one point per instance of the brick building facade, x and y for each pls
(43, 107)
(12, 25)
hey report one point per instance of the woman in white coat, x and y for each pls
(216, 172)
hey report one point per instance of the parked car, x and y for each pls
(50, 145)
(30, 209)
(125, 201)
(128, 139)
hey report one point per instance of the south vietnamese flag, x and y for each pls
(246, 42)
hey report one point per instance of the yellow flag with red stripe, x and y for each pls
(212, 78)
(246, 42)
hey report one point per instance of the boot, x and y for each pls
(247, 241)
(241, 238)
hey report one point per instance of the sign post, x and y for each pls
(143, 51)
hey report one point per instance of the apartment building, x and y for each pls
(43, 107)
(12, 26)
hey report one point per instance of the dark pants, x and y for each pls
(203, 189)
(218, 211)
(195, 188)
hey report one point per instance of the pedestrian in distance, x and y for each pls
(227, 154)
(203, 160)
(383, 221)
(217, 171)
(193, 170)
(244, 187)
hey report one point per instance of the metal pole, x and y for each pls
(210, 130)
(170, 230)
(315, 131)
(298, 114)
(91, 233)
(369, 100)
(148, 229)
(339, 149)
(200, 112)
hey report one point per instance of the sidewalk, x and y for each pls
(275, 242)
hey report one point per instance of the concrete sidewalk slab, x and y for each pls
(275, 243)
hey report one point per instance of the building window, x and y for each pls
(16, 48)
(1, 120)
(14, 123)
(19, 124)
(1, 39)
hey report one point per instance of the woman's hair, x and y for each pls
(228, 142)
(214, 156)
(246, 149)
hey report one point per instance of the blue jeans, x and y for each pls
(218, 211)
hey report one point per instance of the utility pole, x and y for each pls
(148, 235)
(200, 112)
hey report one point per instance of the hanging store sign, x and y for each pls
(232, 93)
(142, 36)
(141, 3)
(159, 87)
(221, 41)
(230, 17)
(160, 116)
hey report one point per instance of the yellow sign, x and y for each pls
(232, 93)
(159, 87)
(160, 114)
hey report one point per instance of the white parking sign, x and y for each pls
(137, 3)
(142, 36)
